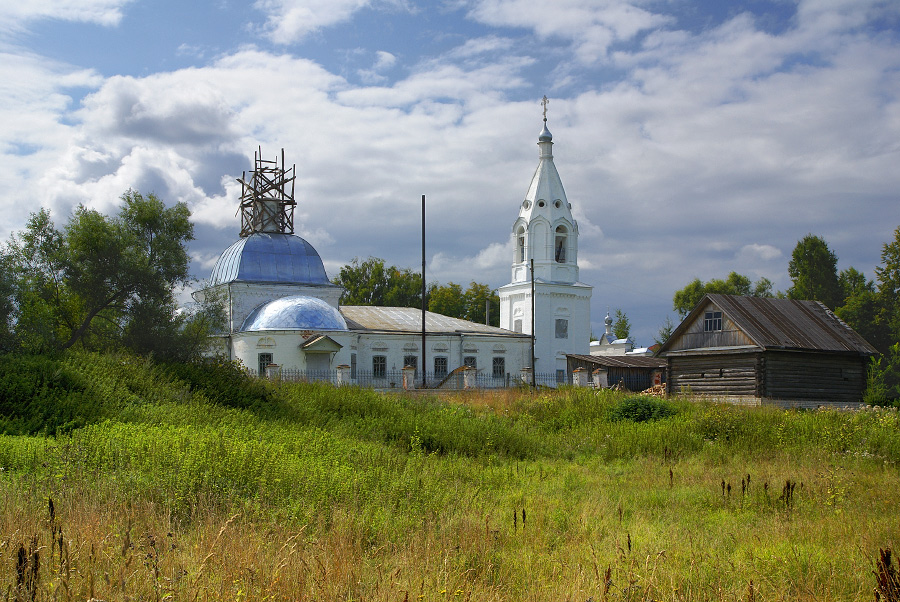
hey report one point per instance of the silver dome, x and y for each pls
(265, 257)
(298, 312)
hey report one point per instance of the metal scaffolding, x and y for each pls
(266, 204)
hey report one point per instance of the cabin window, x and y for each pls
(562, 328)
(712, 321)
(440, 366)
(379, 366)
(560, 248)
(498, 367)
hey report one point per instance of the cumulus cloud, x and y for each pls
(704, 152)
(383, 62)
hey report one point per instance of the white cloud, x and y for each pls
(289, 21)
(711, 152)
(383, 62)
(759, 252)
(591, 26)
(16, 15)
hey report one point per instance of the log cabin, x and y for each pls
(762, 350)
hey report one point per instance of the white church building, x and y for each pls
(284, 314)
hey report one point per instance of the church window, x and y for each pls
(557, 204)
(561, 376)
(517, 325)
(562, 328)
(540, 203)
(560, 248)
(379, 366)
(498, 367)
(264, 360)
(440, 366)
(353, 365)
(712, 321)
(411, 360)
(471, 361)
(520, 245)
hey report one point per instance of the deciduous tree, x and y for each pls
(477, 297)
(813, 271)
(370, 282)
(448, 299)
(687, 298)
(101, 278)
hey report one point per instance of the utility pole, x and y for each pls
(424, 383)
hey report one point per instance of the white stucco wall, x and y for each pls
(284, 346)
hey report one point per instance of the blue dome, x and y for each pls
(295, 313)
(264, 257)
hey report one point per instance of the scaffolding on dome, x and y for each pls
(266, 204)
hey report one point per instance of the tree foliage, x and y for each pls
(448, 299)
(370, 282)
(665, 331)
(887, 276)
(476, 299)
(105, 282)
(621, 325)
(687, 298)
(813, 271)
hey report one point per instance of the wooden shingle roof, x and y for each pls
(782, 324)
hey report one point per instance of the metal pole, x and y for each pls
(423, 292)
(533, 367)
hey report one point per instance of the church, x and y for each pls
(284, 316)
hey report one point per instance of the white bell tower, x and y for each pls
(545, 237)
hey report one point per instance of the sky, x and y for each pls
(694, 138)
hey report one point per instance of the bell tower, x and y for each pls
(545, 237)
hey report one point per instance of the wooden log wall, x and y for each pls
(715, 375)
(833, 378)
(774, 375)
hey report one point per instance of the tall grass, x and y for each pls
(163, 487)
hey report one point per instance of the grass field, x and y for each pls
(125, 480)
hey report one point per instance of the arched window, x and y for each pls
(520, 245)
(560, 246)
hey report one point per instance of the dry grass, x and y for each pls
(704, 519)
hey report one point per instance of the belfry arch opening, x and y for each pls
(559, 248)
(520, 245)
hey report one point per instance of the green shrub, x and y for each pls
(222, 382)
(39, 394)
(641, 409)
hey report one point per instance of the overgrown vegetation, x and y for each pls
(104, 283)
(128, 479)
